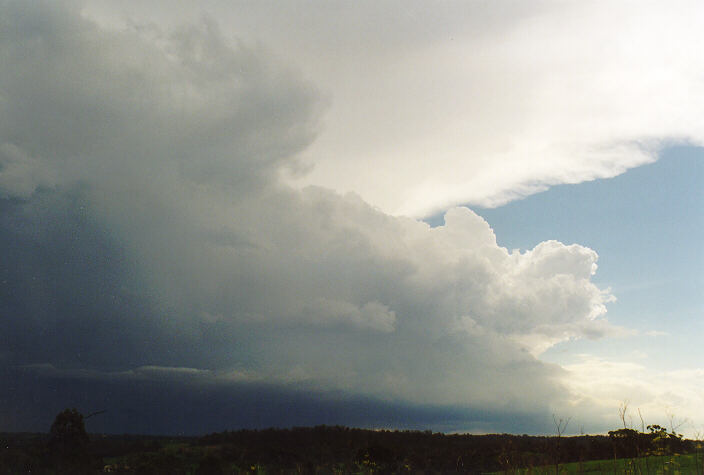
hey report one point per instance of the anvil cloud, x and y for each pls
(146, 224)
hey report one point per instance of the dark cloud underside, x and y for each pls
(143, 225)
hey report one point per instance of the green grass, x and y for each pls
(652, 465)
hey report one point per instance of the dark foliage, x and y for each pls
(68, 443)
(331, 448)
(322, 449)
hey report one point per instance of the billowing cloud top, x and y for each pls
(146, 225)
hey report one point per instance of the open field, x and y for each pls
(652, 465)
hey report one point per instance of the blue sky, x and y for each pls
(224, 201)
(647, 226)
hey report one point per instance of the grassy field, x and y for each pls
(652, 465)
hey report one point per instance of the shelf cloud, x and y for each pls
(147, 230)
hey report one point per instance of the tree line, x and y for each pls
(68, 448)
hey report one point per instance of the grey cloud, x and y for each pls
(147, 228)
(124, 108)
(68, 293)
(482, 102)
(32, 398)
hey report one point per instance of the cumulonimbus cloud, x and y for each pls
(158, 153)
(486, 103)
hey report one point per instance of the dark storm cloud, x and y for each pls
(71, 295)
(143, 225)
(192, 405)
(68, 292)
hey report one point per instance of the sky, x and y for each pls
(458, 216)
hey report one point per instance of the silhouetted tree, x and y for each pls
(68, 442)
